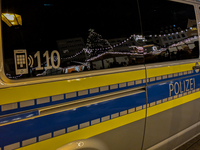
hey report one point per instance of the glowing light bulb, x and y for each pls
(10, 17)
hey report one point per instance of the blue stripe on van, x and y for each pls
(157, 81)
(67, 100)
(12, 133)
(18, 117)
(172, 88)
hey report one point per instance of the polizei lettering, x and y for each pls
(181, 86)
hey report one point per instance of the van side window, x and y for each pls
(174, 24)
(55, 37)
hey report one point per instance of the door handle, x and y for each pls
(196, 67)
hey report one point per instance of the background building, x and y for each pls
(192, 28)
(70, 47)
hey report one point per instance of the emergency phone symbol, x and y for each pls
(21, 66)
(30, 61)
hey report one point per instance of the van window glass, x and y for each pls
(52, 37)
(174, 24)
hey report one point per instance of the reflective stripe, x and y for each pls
(35, 91)
(153, 72)
(54, 143)
(173, 103)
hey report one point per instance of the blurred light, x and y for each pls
(11, 19)
(193, 29)
(48, 4)
(80, 144)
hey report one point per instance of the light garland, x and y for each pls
(184, 41)
(87, 50)
(95, 40)
(127, 53)
(190, 28)
(14, 77)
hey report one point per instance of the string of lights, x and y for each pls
(122, 53)
(87, 50)
(169, 34)
(13, 77)
(136, 37)
(185, 41)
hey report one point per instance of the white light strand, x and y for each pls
(124, 53)
(185, 41)
(112, 46)
(14, 77)
(190, 28)
(86, 50)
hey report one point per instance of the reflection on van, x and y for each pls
(67, 67)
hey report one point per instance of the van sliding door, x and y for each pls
(173, 83)
(72, 71)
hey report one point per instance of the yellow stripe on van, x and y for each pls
(21, 93)
(171, 104)
(56, 142)
(169, 70)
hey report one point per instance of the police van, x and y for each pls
(116, 98)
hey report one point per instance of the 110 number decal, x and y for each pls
(46, 55)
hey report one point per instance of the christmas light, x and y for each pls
(14, 77)
(188, 40)
(89, 51)
(124, 53)
(102, 47)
